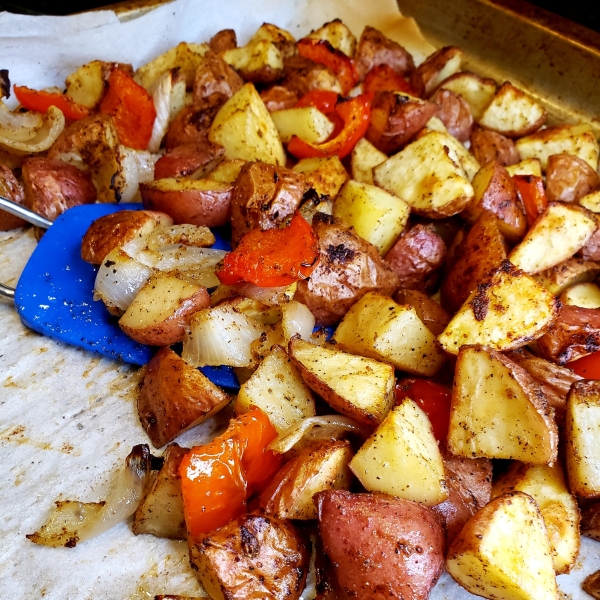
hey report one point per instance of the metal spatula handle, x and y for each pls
(28, 215)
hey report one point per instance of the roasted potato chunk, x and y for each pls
(10, 189)
(301, 75)
(491, 145)
(477, 91)
(380, 546)
(175, 397)
(278, 97)
(254, 556)
(325, 175)
(191, 125)
(454, 112)
(436, 68)
(215, 81)
(374, 49)
(567, 274)
(338, 35)
(193, 160)
(568, 178)
(363, 159)
(433, 316)
(225, 39)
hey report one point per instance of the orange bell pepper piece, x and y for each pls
(41, 101)
(530, 189)
(272, 258)
(131, 108)
(382, 78)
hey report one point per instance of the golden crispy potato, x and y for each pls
(374, 49)
(477, 91)
(376, 326)
(548, 487)
(338, 35)
(454, 112)
(503, 552)
(160, 513)
(586, 295)
(436, 68)
(53, 186)
(348, 267)
(402, 458)
(490, 145)
(307, 123)
(301, 75)
(253, 556)
(529, 166)
(175, 397)
(193, 160)
(568, 178)
(10, 189)
(380, 546)
(358, 387)
(363, 159)
(506, 311)
(591, 202)
(499, 411)
(87, 84)
(201, 202)
(326, 175)
(433, 316)
(567, 274)
(259, 61)
(116, 229)
(582, 427)
(315, 469)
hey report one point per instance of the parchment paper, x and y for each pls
(68, 418)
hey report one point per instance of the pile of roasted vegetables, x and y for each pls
(409, 304)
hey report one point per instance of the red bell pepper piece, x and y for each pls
(41, 101)
(218, 478)
(131, 108)
(321, 51)
(272, 258)
(356, 114)
(382, 78)
(433, 398)
(530, 189)
(587, 366)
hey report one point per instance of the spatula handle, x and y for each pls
(28, 215)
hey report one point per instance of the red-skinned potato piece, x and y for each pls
(374, 49)
(223, 40)
(490, 145)
(10, 189)
(215, 81)
(278, 97)
(381, 547)
(591, 250)
(568, 178)
(175, 397)
(191, 124)
(301, 75)
(575, 333)
(348, 268)
(434, 317)
(201, 202)
(416, 256)
(395, 119)
(189, 160)
(435, 69)
(454, 112)
(52, 186)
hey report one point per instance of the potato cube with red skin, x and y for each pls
(569, 178)
(189, 160)
(381, 547)
(454, 112)
(10, 189)
(491, 145)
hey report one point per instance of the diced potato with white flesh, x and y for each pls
(87, 84)
(315, 469)
(364, 158)
(436, 69)
(308, 123)
(529, 166)
(272, 33)
(278, 390)
(338, 35)
(436, 124)
(428, 176)
(226, 171)
(402, 458)
(478, 92)
(357, 387)
(567, 274)
(259, 60)
(508, 310)
(548, 487)
(376, 215)
(503, 552)
(184, 56)
(243, 126)
(513, 113)
(591, 202)
(499, 410)
(586, 295)
(378, 327)
(582, 429)
(326, 175)
(578, 140)
(560, 232)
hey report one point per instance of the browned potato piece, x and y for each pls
(482, 249)
(279, 97)
(11, 189)
(591, 585)
(192, 160)
(348, 268)
(161, 511)
(495, 192)
(591, 250)
(490, 145)
(314, 469)
(567, 274)
(254, 556)
(590, 520)
(455, 113)
(436, 68)
(191, 124)
(264, 196)
(381, 547)
(569, 178)
(53, 186)
(374, 49)
(575, 333)
(223, 40)
(215, 81)
(469, 483)
(201, 202)
(416, 256)
(301, 75)
(434, 317)
(175, 397)
(395, 119)
(115, 230)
